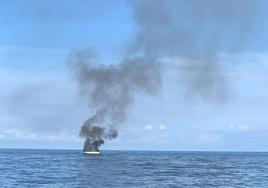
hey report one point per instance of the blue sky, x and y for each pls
(41, 108)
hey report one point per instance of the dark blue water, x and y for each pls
(71, 168)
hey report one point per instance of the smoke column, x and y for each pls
(110, 91)
(193, 30)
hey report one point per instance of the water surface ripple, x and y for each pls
(71, 168)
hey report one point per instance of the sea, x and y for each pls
(160, 169)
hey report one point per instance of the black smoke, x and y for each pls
(196, 31)
(110, 91)
(92, 145)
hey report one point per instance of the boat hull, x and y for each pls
(92, 152)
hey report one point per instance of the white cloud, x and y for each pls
(149, 127)
(240, 128)
(209, 138)
(17, 134)
(63, 134)
(162, 127)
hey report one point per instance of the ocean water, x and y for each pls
(72, 168)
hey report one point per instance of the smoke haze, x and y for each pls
(196, 31)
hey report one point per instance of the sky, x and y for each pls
(41, 106)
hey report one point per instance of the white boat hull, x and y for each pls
(92, 152)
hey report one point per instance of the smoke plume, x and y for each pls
(196, 31)
(110, 91)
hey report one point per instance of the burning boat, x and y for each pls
(92, 147)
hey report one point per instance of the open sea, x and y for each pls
(72, 168)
